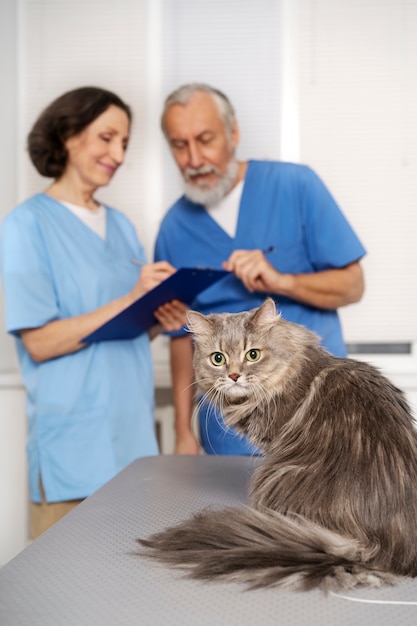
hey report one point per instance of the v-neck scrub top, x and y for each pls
(283, 205)
(90, 413)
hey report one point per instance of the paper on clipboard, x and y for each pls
(184, 285)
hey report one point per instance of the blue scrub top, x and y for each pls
(282, 205)
(90, 413)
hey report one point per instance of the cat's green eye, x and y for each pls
(253, 355)
(218, 358)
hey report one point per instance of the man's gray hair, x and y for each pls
(183, 95)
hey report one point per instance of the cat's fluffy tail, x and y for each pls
(265, 548)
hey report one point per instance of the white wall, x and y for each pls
(13, 470)
(8, 155)
(13, 482)
(358, 127)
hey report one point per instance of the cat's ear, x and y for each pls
(266, 313)
(197, 323)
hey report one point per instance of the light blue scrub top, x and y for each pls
(90, 413)
(282, 205)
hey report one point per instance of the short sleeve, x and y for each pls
(331, 240)
(27, 274)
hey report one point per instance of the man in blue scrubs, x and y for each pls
(274, 225)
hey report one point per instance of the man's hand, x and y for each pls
(326, 289)
(253, 269)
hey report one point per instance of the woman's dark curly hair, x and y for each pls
(66, 117)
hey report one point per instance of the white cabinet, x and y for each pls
(14, 531)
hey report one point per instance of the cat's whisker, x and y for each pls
(211, 408)
(200, 400)
(195, 383)
(266, 396)
(217, 406)
(195, 421)
(206, 399)
(213, 399)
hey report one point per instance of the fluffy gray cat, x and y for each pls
(334, 504)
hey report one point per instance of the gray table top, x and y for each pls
(83, 571)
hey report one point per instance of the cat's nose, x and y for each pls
(234, 376)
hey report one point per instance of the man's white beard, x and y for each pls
(212, 195)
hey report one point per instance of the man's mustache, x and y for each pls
(190, 172)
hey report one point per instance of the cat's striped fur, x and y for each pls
(335, 502)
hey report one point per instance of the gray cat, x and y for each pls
(334, 504)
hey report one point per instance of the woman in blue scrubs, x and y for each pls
(66, 263)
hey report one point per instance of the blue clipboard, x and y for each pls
(184, 285)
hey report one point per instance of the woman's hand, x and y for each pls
(64, 336)
(171, 315)
(151, 275)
